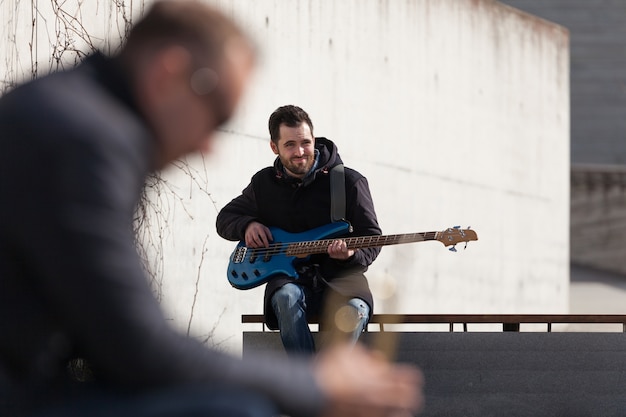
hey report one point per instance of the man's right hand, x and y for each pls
(362, 383)
(257, 235)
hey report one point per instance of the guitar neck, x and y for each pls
(321, 246)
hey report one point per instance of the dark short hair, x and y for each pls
(191, 23)
(201, 29)
(290, 116)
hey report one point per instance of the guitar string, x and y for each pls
(276, 248)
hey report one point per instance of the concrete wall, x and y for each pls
(456, 111)
(38, 37)
(598, 73)
(598, 217)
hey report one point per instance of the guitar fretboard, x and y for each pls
(321, 246)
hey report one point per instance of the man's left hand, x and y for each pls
(338, 249)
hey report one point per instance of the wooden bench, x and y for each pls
(510, 322)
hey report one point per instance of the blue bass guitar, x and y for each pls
(251, 267)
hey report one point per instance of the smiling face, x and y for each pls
(296, 149)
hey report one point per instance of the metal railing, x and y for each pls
(509, 322)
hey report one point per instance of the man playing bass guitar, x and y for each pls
(295, 195)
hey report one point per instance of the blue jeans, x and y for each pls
(290, 306)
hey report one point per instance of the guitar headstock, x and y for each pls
(453, 235)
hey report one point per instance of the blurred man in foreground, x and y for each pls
(75, 148)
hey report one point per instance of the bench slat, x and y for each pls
(476, 318)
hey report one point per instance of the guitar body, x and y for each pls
(249, 268)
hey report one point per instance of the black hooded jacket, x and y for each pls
(277, 200)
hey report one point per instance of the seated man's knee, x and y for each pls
(362, 309)
(287, 296)
(353, 316)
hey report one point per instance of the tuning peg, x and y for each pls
(452, 249)
(457, 227)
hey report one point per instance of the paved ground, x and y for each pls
(596, 292)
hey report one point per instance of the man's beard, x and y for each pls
(299, 169)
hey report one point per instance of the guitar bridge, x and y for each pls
(239, 254)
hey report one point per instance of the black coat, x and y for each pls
(277, 200)
(74, 151)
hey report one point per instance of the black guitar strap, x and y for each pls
(337, 193)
